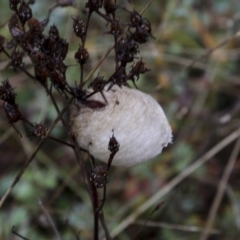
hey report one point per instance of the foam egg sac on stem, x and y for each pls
(137, 120)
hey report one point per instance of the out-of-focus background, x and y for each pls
(195, 76)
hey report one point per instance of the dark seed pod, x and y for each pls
(113, 145)
(36, 56)
(53, 32)
(79, 27)
(61, 49)
(119, 77)
(98, 84)
(115, 28)
(94, 5)
(17, 59)
(141, 36)
(13, 4)
(58, 80)
(12, 113)
(126, 50)
(139, 68)
(109, 6)
(40, 131)
(81, 55)
(6, 92)
(100, 176)
(34, 25)
(79, 94)
(143, 32)
(135, 18)
(25, 12)
(41, 73)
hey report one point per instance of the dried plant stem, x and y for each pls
(30, 159)
(58, 236)
(221, 189)
(210, 51)
(96, 212)
(174, 182)
(174, 226)
(102, 220)
(17, 234)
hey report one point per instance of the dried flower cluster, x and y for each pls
(115, 124)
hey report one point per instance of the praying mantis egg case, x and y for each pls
(136, 119)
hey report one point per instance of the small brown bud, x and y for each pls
(13, 4)
(6, 92)
(12, 112)
(17, 59)
(25, 12)
(115, 28)
(113, 145)
(79, 27)
(34, 25)
(109, 6)
(40, 130)
(53, 32)
(81, 55)
(100, 176)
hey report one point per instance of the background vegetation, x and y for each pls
(194, 62)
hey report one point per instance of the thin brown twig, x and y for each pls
(221, 189)
(30, 159)
(174, 226)
(58, 236)
(102, 220)
(210, 51)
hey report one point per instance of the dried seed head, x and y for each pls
(113, 145)
(6, 92)
(94, 5)
(58, 80)
(40, 130)
(35, 26)
(81, 55)
(13, 4)
(12, 112)
(98, 83)
(119, 77)
(100, 176)
(25, 12)
(16, 59)
(139, 124)
(115, 28)
(79, 27)
(61, 49)
(109, 6)
(137, 69)
(41, 73)
(53, 32)
(135, 19)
